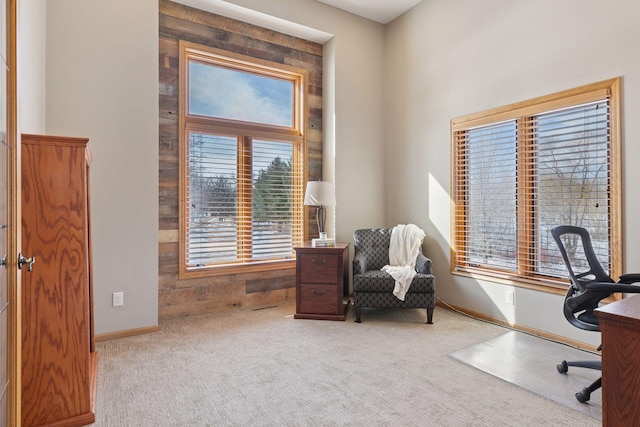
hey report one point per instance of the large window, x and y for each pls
(241, 178)
(523, 169)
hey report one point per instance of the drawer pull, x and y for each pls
(317, 292)
(324, 261)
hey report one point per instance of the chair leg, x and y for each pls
(596, 364)
(430, 315)
(584, 395)
(358, 313)
(563, 366)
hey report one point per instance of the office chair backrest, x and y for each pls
(580, 272)
(580, 302)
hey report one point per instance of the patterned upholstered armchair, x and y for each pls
(373, 287)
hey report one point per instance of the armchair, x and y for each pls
(373, 287)
(590, 284)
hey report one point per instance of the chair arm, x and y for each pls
(629, 278)
(612, 287)
(423, 264)
(360, 263)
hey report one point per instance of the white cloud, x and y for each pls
(231, 94)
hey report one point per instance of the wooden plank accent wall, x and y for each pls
(179, 298)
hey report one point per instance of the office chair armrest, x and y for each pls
(612, 287)
(629, 278)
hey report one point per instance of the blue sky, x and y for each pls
(220, 92)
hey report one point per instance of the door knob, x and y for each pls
(29, 261)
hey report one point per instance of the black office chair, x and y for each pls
(590, 284)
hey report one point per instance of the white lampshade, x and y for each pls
(320, 193)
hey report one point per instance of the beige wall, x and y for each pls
(102, 83)
(32, 27)
(447, 59)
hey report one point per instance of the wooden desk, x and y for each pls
(620, 326)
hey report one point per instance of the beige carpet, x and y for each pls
(264, 368)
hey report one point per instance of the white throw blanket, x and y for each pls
(403, 251)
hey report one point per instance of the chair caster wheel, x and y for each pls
(583, 396)
(563, 368)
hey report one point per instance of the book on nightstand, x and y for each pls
(323, 243)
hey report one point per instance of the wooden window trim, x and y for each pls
(524, 110)
(208, 55)
(195, 123)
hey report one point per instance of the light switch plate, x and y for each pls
(118, 299)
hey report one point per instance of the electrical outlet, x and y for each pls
(510, 297)
(118, 299)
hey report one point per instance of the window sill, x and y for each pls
(229, 269)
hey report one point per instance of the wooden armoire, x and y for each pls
(59, 363)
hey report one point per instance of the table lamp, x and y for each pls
(320, 194)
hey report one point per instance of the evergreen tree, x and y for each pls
(272, 192)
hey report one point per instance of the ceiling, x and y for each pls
(382, 11)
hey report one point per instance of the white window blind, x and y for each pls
(241, 198)
(212, 205)
(520, 171)
(273, 219)
(573, 180)
(489, 153)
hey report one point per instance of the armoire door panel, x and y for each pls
(56, 333)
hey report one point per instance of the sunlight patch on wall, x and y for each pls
(440, 208)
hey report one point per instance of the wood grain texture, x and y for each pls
(620, 326)
(56, 331)
(4, 283)
(179, 22)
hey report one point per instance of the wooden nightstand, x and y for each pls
(322, 282)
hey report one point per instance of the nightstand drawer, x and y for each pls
(318, 299)
(319, 268)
